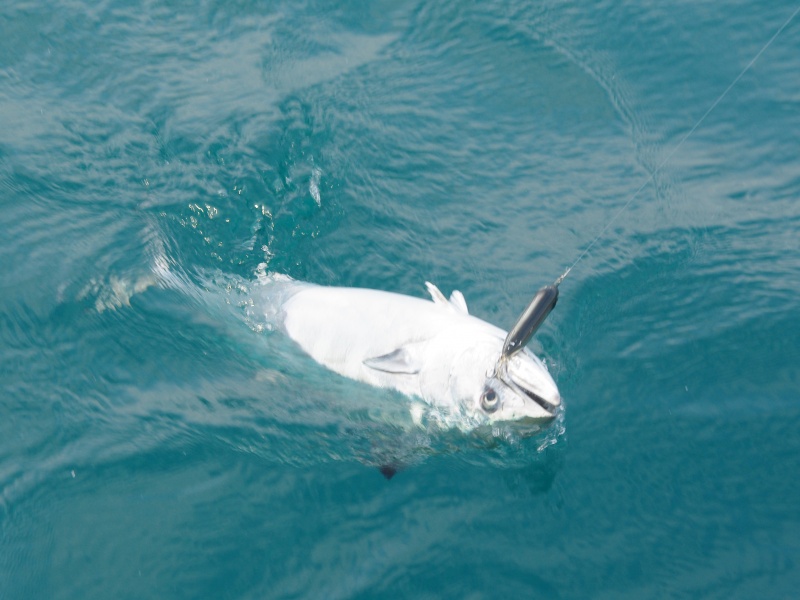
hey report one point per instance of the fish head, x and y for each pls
(517, 388)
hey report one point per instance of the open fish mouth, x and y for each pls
(550, 408)
(521, 377)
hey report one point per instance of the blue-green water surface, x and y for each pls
(158, 158)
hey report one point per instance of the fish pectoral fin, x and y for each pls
(398, 361)
(458, 301)
(389, 470)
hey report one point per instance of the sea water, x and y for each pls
(159, 158)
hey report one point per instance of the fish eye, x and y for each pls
(489, 400)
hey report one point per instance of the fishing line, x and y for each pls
(679, 144)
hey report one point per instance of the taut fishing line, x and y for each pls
(545, 300)
(679, 144)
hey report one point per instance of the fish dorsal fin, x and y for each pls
(458, 301)
(436, 295)
(398, 361)
(455, 304)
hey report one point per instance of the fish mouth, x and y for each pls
(549, 407)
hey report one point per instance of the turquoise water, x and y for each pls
(157, 440)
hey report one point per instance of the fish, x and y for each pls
(433, 350)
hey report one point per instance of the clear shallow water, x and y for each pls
(156, 442)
